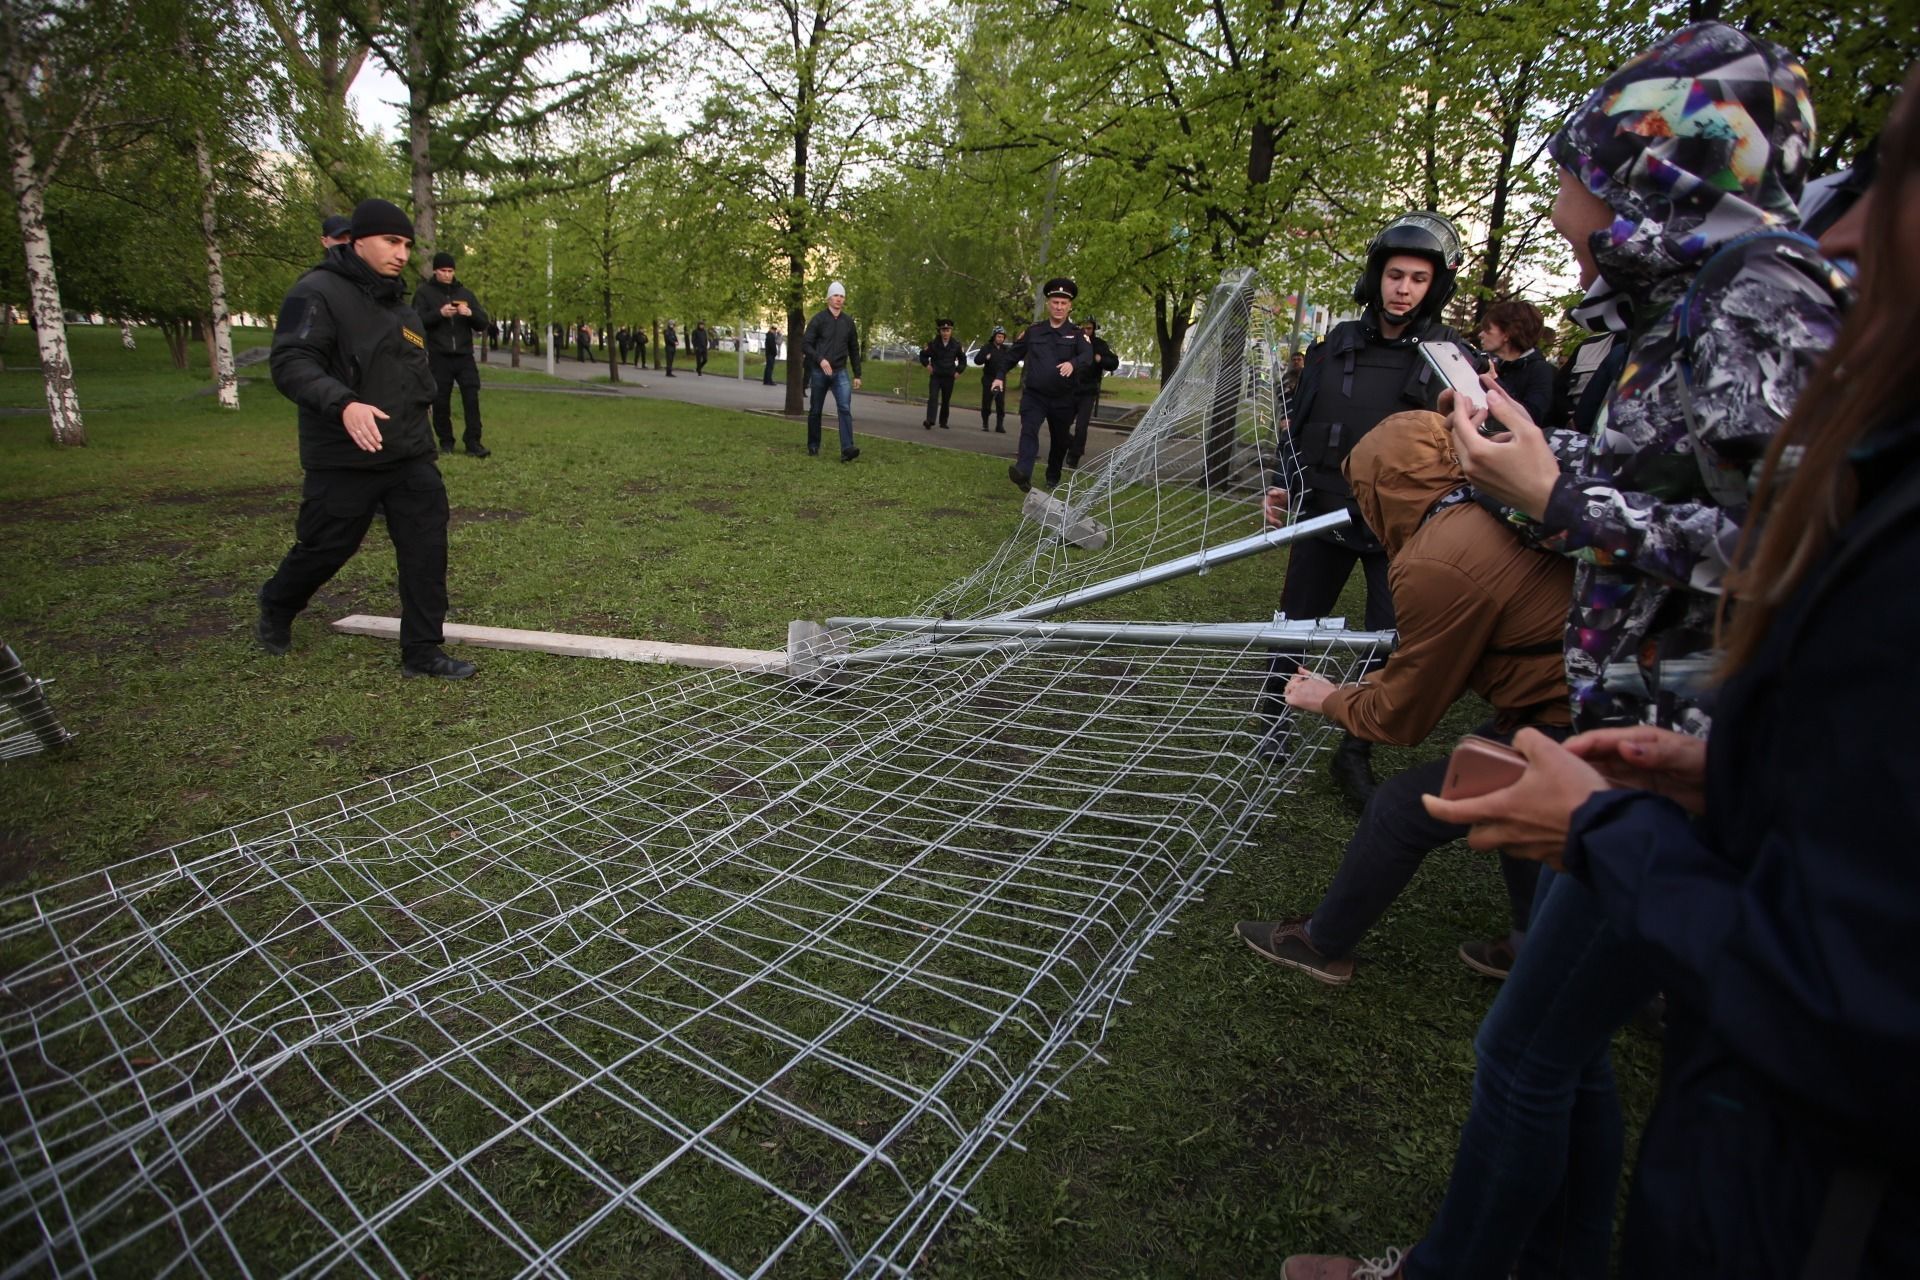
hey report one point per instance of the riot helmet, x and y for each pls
(1423, 235)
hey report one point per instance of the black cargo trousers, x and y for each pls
(336, 509)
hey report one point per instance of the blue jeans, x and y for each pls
(842, 383)
(1534, 1180)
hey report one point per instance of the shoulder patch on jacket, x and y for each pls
(413, 337)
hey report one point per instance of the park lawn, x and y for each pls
(1243, 1112)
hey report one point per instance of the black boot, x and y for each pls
(1352, 771)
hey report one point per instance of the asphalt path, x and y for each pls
(876, 412)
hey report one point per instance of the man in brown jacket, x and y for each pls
(1477, 609)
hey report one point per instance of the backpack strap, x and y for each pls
(1726, 485)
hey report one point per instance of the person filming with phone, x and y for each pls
(1478, 610)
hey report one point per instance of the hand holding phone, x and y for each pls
(1452, 364)
(1479, 766)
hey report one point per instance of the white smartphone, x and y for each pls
(1451, 363)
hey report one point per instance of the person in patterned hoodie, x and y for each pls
(1679, 177)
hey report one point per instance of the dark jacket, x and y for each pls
(943, 359)
(1103, 363)
(670, 339)
(835, 339)
(345, 334)
(1330, 358)
(1042, 349)
(994, 362)
(699, 339)
(1529, 380)
(1783, 923)
(448, 335)
(773, 343)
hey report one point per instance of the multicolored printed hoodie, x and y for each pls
(1700, 147)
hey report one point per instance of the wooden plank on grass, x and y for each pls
(574, 646)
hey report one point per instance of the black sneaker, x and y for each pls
(275, 636)
(1053, 479)
(1019, 478)
(848, 455)
(943, 426)
(1285, 942)
(439, 666)
(999, 431)
(1493, 959)
(813, 451)
(926, 426)
(446, 446)
(1073, 461)
(479, 451)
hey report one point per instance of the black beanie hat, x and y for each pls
(380, 218)
(442, 259)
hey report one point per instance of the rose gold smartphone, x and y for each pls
(1480, 765)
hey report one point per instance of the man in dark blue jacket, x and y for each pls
(1054, 352)
(993, 362)
(943, 358)
(347, 349)
(1087, 390)
(829, 348)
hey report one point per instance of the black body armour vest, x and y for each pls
(1361, 383)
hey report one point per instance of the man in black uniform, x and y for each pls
(347, 350)
(333, 231)
(452, 315)
(1054, 352)
(1087, 390)
(943, 358)
(640, 346)
(993, 362)
(773, 353)
(700, 349)
(1362, 371)
(671, 341)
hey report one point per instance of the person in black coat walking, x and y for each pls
(1087, 390)
(452, 315)
(348, 351)
(773, 353)
(700, 343)
(943, 358)
(1511, 333)
(993, 362)
(671, 341)
(1054, 353)
(830, 350)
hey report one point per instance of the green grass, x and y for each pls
(1243, 1112)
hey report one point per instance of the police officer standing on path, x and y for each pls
(1358, 374)
(993, 362)
(671, 341)
(348, 351)
(1087, 390)
(943, 358)
(452, 315)
(1054, 352)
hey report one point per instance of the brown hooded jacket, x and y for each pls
(1477, 608)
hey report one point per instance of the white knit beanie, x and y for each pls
(836, 287)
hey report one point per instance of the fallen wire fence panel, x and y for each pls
(750, 974)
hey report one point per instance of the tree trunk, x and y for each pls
(513, 342)
(175, 333)
(43, 286)
(220, 352)
(420, 140)
(1170, 330)
(606, 325)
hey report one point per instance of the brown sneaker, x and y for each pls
(1494, 959)
(1326, 1266)
(1285, 942)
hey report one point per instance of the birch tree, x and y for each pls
(60, 74)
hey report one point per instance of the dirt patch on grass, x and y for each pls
(713, 506)
(258, 493)
(22, 855)
(1276, 1123)
(809, 513)
(951, 513)
(644, 487)
(335, 741)
(478, 515)
(43, 511)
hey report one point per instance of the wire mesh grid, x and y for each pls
(749, 973)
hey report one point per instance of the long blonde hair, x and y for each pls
(1865, 382)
